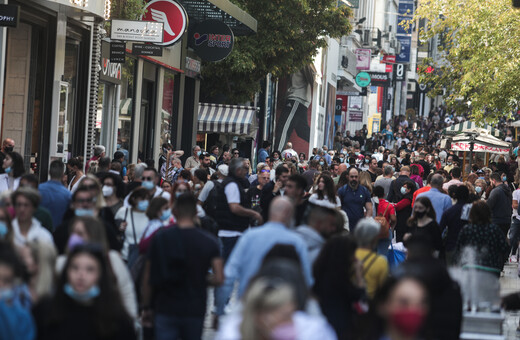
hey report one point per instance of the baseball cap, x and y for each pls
(223, 169)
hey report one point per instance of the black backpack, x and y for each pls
(211, 203)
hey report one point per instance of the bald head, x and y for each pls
(281, 210)
(342, 168)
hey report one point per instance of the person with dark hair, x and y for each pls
(500, 202)
(325, 191)
(42, 214)
(273, 189)
(264, 151)
(295, 190)
(113, 191)
(204, 164)
(175, 278)
(453, 220)
(423, 223)
(75, 169)
(86, 303)
(416, 176)
(13, 171)
(310, 173)
(386, 210)
(403, 209)
(485, 237)
(455, 173)
(440, 201)
(159, 214)
(355, 199)
(213, 155)
(7, 147)
(55, 197)
(150, 182)
(339, 283)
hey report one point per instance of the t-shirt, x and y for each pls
(381, 209)
(516, 197)
(353, 203)
(186, 299)
(385, 183)
(232, 193)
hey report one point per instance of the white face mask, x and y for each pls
(107, 191)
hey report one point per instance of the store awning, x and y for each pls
(482, 142)
(231, 119)
(470, 126)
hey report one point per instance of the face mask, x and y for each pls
(481, 178)
(6, 294)
(178, 194)
(9, 149)
(407, 321)
(148, 185)
(165, 215)
(357, 153)
(275, 158)
(284, 332)
(175, 169)
(118, 146)
(322, 163)
(74, 240)
(197, 186)
(420, 214)
(198, 153)
(504, 179)
(142, 205)
(80, 212)
(90, 294)
(107, 191)
(403, 190)
(367, 160)
(3, 229)
(7, 170)
(478, 190)
(449, 163)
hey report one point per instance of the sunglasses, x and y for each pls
(268, 171)
(148, 178)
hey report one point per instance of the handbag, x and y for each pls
(385, 225)
(395, 257)
(133, 249)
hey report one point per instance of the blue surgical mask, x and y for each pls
(403, 190)
(367, 160)
(148, 185)
(90, 294)
(478, 190)
(7, 170)
(118, 146)
(178, 194)
(6, 294)
(74, 241)
(166, 215)
(80, 212)
(357, 153)
(322, 163)
(142, 205)
(198, 153)
(3, 229)
(504, 179)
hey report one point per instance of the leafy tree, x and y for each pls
(290, 32)
(480, 52)
(127, 9)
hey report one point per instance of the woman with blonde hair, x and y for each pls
(91, 182)
(365, 180)
(270, 312)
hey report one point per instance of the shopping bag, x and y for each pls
(395, 257)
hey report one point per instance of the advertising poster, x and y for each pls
(294, 111)
(330, 124)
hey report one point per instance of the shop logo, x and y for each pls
(171, 14)
(214, 40)
(112, 70)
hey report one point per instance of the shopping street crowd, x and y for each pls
(308, 244)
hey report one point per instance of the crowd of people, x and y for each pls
(294, 246)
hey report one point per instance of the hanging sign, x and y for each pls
(147, 49)
(212, 40)
(172, 15)
(117, 52)
(9, 15)
(133, 30)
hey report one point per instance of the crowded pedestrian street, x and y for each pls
(259, 170)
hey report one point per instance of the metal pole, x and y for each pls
(3, 51)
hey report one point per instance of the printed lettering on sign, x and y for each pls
(112, 70)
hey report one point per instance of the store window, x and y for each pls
(167, 108)
(126, 112)
(147, 130)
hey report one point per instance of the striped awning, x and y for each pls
(231, 119)
(468, 126)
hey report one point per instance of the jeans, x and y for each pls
(515, 235)
(170, 327)
(383, 244)
(222, 294)
(228, 243)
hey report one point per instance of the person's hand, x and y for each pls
(257, 217)
(277, 186)
(147, 317)
(407, 236)
(122, 226)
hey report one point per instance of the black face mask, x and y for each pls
(420, 214)
(9, 149)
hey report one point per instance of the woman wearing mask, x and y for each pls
(403, 209)
(181, 188)
(270, 312)
(133, 220)
(75, 167)
(6, 228)
(14, 169)
(339, 284)
(112, 191)
(277, 159)
(90, 230)
(423, 223)
(159, 215)
(86, 304)
(400, 311)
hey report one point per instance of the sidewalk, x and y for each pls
(510, 283)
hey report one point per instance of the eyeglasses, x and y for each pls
(236, 153)
(90, 187)
(148, 178)
(84, 200)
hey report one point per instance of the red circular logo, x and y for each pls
(171, 14)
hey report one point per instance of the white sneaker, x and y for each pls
(513, 259)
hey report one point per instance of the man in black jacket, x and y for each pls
(500, 203)
(273, 189)
(394, 195)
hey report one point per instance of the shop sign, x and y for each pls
(117, 52)
(404, 54)
(133, 30)
(172, 14)
(355, 102)
(9, 15)
(363, 79)
(147, 49)
(363, 56)
(192, 65)
(389, 59)
(212, 40)
(399, 72)
(355, 116)
(462, 146)
(379, 79)
(110, 71)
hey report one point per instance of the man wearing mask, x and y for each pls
(449, 164)
(355, 199)
(500, 202)
(321, 224)
(150, 180)
(193, 160)
(7, 146)
(172, 172)
(394, 195)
